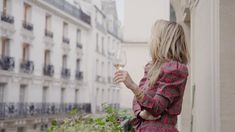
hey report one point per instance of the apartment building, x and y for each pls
(49, 62)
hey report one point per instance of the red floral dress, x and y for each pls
(164, 98)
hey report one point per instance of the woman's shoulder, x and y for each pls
(174, 66)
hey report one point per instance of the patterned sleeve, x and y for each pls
(169, 82)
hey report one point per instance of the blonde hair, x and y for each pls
(167, 43)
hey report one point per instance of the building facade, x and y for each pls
(209, 26)
(54, 57)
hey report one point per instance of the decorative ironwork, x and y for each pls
(79, 45)
(27, 25)
(70, 9)
(7, 18)
(26, 110)
(48, 70)
(7, 63)
(49, 33)
(79, 75)
(65, 73)
(66, 40)
(27, 66)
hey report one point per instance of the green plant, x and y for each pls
(109, 122)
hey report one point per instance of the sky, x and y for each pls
(120, 9)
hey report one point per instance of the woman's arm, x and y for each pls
(167, 91)
(167, 88)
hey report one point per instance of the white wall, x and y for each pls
(138, 20)
(139, 17)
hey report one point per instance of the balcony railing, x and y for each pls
(49, 33)
(7, 63)
(79, 45)
(66, 40)
(48, 70)
(79, 75)
(27, 66)
(7, 18)
(100, 79)
(27, 25)
(37, 110)
(65, 73)
(70, 9)
(109, 80)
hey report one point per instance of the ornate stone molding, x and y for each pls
(7, 30)
(27, 36)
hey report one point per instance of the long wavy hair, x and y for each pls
(167, 43)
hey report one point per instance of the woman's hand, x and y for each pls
(123, 76)
(147, 116)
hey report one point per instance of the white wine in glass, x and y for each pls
(119, 60)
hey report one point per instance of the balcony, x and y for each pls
(27, 25)
(49, 34)
(7, 28)
(27, 66)
(65, 40)
(7, 18)
(79, 45)
(48, 70)
(65, 73)
(71, 10)
(9, 111)
(7, 63)
(79, 75)
(100, 79)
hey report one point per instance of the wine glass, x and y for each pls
(119, 60)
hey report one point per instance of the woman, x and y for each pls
(159, 95)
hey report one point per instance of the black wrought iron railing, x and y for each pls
(48, 70)
(65, 73)
(27, 66)
(79, 45)
(49, 33)
(7, 63)
(79, 75)
(65, 40)
(70, 9)
(27, 25)
(7, 18)
(25, 110)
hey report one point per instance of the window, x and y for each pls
(47, 55)
(27, 12)
(48, 23)
(102, 95)
(20, 129)
(65, 29)
(108, 96)
(78, 65)
(5, 47)
(97, 67)
(79, 39)
(62, 95)
(44, 94)
(102, 42)
(97, 42)
(22, 97)
(76, 96)
(2, 92)
(25, 55)
(5, 4)
(64, 61)
(102, 67)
